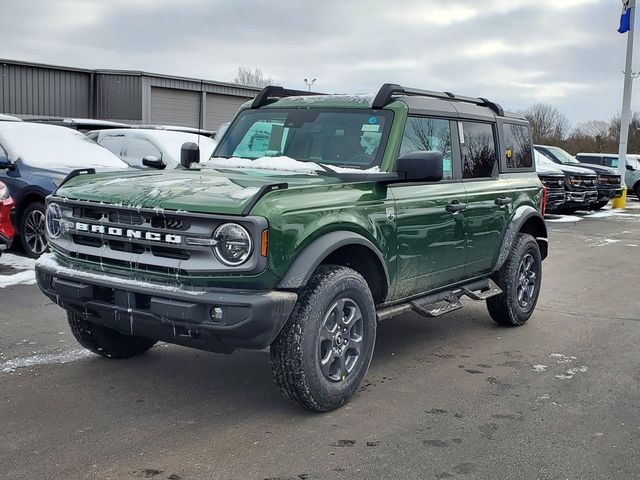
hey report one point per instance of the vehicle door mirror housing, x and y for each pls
(420, 166)
(189, 154)
(154, 162)
(5, 163)
(630, 167)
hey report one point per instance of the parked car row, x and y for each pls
(587, 186)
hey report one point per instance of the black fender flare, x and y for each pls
(520, 217)
(313, 254)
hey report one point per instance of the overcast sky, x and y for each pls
(517, 52)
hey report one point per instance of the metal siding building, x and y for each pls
(37, 90)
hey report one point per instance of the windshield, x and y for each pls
(543, 160)
(562, 156)
(339, 137)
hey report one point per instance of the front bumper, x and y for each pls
(5, 243)
(218, 320)
(609, 193)
(555, 199)
(581, 198)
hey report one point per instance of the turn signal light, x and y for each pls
(265, 243)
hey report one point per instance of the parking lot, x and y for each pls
(454, 397)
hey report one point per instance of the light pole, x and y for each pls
(626, 106)
(309, 83)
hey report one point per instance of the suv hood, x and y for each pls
(600, 169)
(547, 171)
(571, 170)
(204, 191)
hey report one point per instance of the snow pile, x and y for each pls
(22, 278)
(54, 147)
(15, 262)
(10, 366)
(19, 263)
(564, 219)
(363, 99)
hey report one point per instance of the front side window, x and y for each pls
(429, 134)
(341, 137)
(478, 149)
(113, 143)
(518, 146)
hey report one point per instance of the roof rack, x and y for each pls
(387, 91)
(272, 91)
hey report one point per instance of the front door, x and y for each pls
(430, 217)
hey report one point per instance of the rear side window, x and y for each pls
(478, 149)
(429, 134)
(518, 146)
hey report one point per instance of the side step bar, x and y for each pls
(437, 304)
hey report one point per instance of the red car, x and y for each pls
(6, 225)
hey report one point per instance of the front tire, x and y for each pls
(519, 278)
(106, 341)
(324, 350)
(32, 230)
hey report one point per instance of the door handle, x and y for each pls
(500, 201)
(456, 206)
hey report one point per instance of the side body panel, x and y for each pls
(430, 239)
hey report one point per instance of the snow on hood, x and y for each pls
(55, 148)
(282, 164)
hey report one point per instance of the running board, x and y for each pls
(437, 304)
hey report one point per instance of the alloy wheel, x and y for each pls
(34, 232)
(340, 339)
(526, 286)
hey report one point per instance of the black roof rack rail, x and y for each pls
(272, 91)
(386, 92)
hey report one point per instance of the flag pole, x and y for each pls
(626, 109)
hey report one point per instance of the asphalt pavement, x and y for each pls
(453, 397)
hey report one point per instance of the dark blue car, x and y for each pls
(34, 159)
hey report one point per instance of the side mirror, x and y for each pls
(629, 167)
(420, 166)
(189, 154)
(154, 162)
(5, 163)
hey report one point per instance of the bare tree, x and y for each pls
(252, 78)
(548, 124)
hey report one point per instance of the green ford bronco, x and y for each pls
(316, 217)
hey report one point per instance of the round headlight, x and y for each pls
(54, 220)
(233, 244)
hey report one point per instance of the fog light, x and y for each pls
(216, 314)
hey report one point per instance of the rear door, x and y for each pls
(430, 234)
(488, 195)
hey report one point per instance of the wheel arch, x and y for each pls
(344, 248)
(526, 220)
(27, 198)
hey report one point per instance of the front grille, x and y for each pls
(609, 180)
(152, 240)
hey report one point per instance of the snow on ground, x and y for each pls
(563, 218)
(10, 366)
(16, 270)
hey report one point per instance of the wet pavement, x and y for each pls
(453, 397)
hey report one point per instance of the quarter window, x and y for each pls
(517, 146)
(422, 133)
(478, 150)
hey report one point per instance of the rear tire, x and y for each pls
(106, 341)
(324, 350)
(637, 191)
(519, 278)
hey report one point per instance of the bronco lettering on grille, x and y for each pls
(129, 233)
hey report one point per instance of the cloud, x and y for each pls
(514, 51)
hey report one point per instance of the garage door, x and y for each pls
(221, 109)
(174, 107)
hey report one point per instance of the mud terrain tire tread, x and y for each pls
(105, 341)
